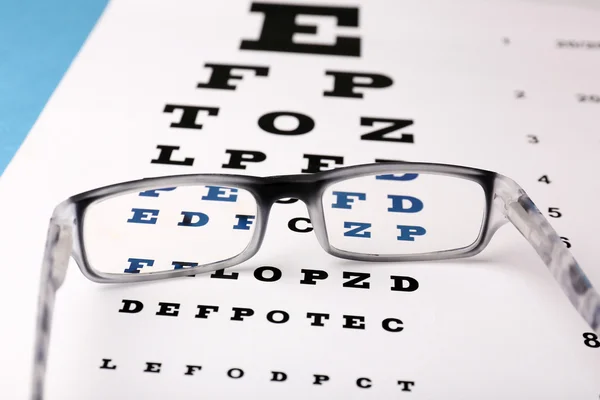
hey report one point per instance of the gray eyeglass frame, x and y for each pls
(505, 201)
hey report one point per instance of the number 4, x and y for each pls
(544, 179)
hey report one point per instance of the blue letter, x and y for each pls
(357, 229)
(415, 205)
(136, 263)
(216, 192)
(154, 193)
(344, 199)
(143, 216)
(407, 232)
(188, 216)
(244, 222)
(392, 177)
(181, 264)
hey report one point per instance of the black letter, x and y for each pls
(358, 278)
(169, 309)
(275, 274)
(344, 83)
(165, 156)
(315, 163)
(239, 373)
(305, 123)
(379, 134)
(293, 225)
(360, 383)
(240, 312)
(406, 385)
(278, 376)
(399, 286)
(279, 28)
(319, 379)
(220, 273)
(152, 367)
(354, 322)
(285, 317)
(192, 368)
(189, 115)
(386, 325)
(127, 306)
(221, 74)
(105, 362)
(203, 311)
(237, 156)
(318, 318)
(311, 275)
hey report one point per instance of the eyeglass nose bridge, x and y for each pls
(306, 188)
(302, 187)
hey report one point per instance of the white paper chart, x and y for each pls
(272, 87)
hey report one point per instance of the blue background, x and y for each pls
(38, 41)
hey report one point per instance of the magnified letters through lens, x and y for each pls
(168, 228)
(406, 213)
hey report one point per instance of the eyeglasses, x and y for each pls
(165, 227)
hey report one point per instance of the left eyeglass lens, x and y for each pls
(169, 228)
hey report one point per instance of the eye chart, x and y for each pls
(271, 87)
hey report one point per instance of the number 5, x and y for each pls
(554, 213)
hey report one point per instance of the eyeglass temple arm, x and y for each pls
(523, 213)
(54, 267)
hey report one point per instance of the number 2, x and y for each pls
(533, 139)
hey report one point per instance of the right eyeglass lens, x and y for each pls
(403, 213)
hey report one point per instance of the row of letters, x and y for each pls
(310, 277)
(343, 200)
(244, 222)
(273, 274)
(238, 373)
(277, 317)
